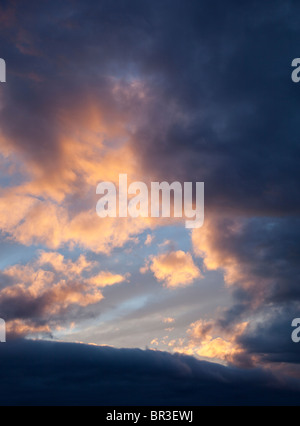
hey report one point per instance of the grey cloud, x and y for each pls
(49, 373)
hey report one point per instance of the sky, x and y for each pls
(160, 90)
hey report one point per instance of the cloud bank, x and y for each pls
(49, 373)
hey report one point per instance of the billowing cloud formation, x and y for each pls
(175, 269)
(216, 106)
(88, 375)
(209, 341)
(65, 140)
(41, 295)
(260, 260)
(29, 220)
(258, 254)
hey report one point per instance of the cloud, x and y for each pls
(210, 341)
(85, 140)
(259, 257)
(260, 260)
(87, 230)
(131, 90)
(222, 118)
(7, 15)
(30, 220)
(175, 269)
(268, 340)
(196, 113)
(168, 320)
(65, 266)
(20, 328)
(149, 240)
(106, 278)
(41, 295)
(89, 375)
(218, 244)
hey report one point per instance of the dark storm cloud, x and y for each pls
(262, 257)
(42, 373)
(223, 106)
(270, 340)
(266, 253)
(227, 112)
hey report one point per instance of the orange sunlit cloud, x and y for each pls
(106, 278)
(45, 208)
(207, 340)
(175, 269)
(51, 284)
(24, 328)
(209, 243)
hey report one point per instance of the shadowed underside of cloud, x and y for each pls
(42, 373)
